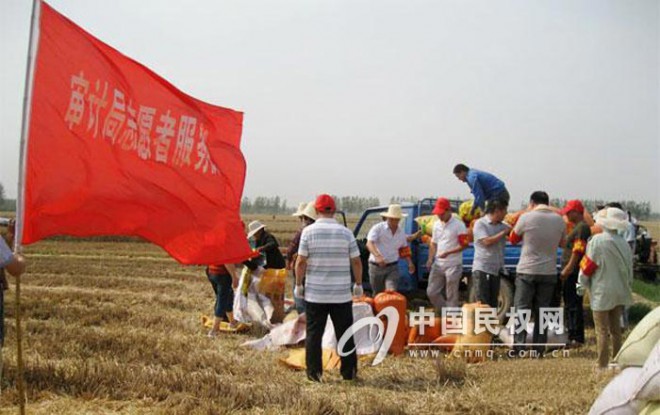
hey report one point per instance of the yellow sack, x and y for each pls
(512, 218)
(472, 347)
(246, 280)
(464, 212)
(426, 223)
(272, 282)
(225, 327)
(296, 359)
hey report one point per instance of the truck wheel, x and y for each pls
(504, 299)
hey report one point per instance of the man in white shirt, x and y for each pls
(445, 256)
(490, 234)
(387, 242)
(327, 253)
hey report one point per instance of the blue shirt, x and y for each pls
(484, 186)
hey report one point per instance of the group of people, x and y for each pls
(323, 253)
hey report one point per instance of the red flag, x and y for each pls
(114, 149)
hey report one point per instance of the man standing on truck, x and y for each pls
(490, 234)
(387, 242)
(541, 231)
(576, 245)
(328, 251)
(483, 186)
(445, 256)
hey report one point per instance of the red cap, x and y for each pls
(441, 206)
(325, 203)
(573, 205)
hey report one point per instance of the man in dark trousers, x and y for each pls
(327, 253)
(541, 231)
(576, 246)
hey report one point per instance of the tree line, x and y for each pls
(6, 205)
(276, 205)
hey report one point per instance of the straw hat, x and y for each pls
(309, 211)
(613, 219)
(393, 212)
(301, 207)
(254, 227)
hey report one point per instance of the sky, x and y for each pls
(383, 98)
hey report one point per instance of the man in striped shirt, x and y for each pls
(326, 255)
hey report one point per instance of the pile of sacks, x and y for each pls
(292, 334)
(637, 388)
(260, 296)
(471, 347)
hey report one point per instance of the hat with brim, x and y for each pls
(309, 211)
(613, 219)
(393, 212)
(254, 227)
(301, 208)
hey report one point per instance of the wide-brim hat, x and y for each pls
(309, 211)
(613, 219)
(254, 227)
(393, 212)
(301, 207)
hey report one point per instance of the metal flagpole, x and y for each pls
(20, 206)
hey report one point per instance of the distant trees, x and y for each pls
(404, 199)
(276, 205)
(356, 204)
(270, 205)
(6, 205)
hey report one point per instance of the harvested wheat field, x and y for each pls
(115, 327)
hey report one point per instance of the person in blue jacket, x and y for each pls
(484, 186)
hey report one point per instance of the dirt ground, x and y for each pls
(114, 327)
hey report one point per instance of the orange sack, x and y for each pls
(430, 333)
(389, 298)
(447, 341)
(470, 346)
(512, 218)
